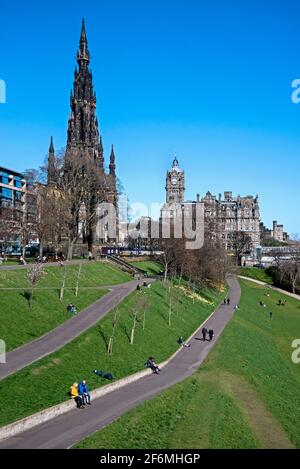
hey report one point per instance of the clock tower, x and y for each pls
(175, 184)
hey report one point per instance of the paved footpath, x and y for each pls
(67, 331)
(68, 429)
(47, 264)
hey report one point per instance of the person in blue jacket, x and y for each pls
(84, 393)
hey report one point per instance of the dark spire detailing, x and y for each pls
(83, 124)
(112, 165)
(101, 154)
(175, 162)
(84, 141)
(51, 148)
(51, 164)
(83, 54)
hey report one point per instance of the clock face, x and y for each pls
(174, 181)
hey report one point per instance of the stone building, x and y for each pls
(277, 233)
(84, 140)
(230, 220)
(175, 184)
(233, 220)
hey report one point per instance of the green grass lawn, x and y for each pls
(246, 394)
(256, 273)
(20, 324)
(151, 267)
(47, 382)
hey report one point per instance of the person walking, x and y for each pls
(228, 301)
(84, 393)
(204, 332)
(211, 334)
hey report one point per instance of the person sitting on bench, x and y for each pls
(74, 395)
(182, 342)
(150, 363)
(72, 308)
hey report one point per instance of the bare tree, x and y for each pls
(64, 278)
(290, 269)
(168, 257)
(242, 243)
(134, 320)
(167, 284)
(78, 277)
(143, 304)
(83, 186)
(114, 326)
(33, 275)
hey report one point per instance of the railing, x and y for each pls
(125, 265)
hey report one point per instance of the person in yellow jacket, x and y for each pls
(74, 395)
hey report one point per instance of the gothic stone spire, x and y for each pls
(83, 54)
(51, 164)
(112, 165)
(83, 125)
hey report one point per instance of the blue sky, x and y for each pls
(210, 80)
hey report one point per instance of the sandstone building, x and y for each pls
(227, 219)
(277, 233)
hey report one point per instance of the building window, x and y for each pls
(4, 177)
(18, 182)
(18, 196)
(6, 193)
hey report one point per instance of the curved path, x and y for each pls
(47, 264)
(66, 332)
(68, 429)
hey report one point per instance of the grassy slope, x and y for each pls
(152, 268)
(19, 324)
(246, 394)
(46, 382)
(256, 273)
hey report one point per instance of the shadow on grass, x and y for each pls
(103, 336)
(124, 329)
(31, 335)
(28, 296)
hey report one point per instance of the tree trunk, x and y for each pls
(166, 272)
(41, 249)
(170, 307)
(132, 336)
(294, 285)
(70, 249)
(110, 346)
(133, 330)
(61, 296)
(111, 339)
